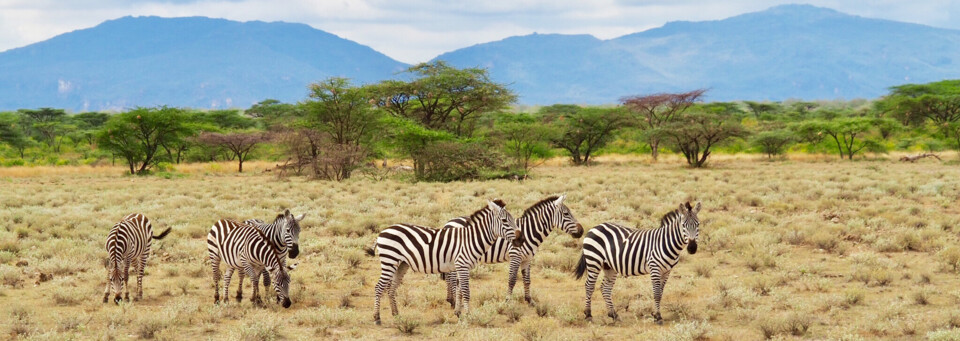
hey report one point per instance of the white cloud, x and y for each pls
(417, 30)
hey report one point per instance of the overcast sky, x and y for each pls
(417, 30)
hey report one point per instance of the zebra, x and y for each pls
(629, 252)
(426, 250)
(534, 225)
(244, 247)
(128, 242)
(284, 233)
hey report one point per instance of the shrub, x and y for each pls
(406, 325)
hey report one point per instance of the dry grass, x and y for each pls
(816, 249)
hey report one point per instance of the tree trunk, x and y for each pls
(654, 148)
(240, 166)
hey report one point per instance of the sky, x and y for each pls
(414, 31)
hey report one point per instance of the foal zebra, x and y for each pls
(128, 242)
(427, 250)
(534, 225)
(629, 252)
(244, 247)
(284, 233)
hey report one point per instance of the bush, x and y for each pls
(454, 161)
(406, 325)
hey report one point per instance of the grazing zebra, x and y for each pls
(128, 242)
(245, 248)
(534, 225)
(427, 250)
(615, 249)
(284, 232)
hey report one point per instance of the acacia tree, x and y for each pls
(657, 110)
(138, 134)
(695, 133)
(12, 132)
(524, 138)
(585, 131)
(240, 144)
(48, 125)
(848, 133)
(773, 142)
(344, 114)
(915, 104)
(759, 108)
(443, 97)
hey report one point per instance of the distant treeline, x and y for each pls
(457, 124)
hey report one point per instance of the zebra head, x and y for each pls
(291, 231)
(502, 223)
(691, 225)
(281, 282)
(117, 278)
(565, 220)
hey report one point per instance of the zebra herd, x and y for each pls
(489, 235)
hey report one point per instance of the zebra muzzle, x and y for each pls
(286, 302)
(692, 247)
(294, 251)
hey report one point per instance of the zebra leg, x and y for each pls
(451, 279)
(658, 294)
(140, 272)
(526, 283)
(226, 283)
(590, 286)
(610, 277)
(126, 281)
(266, 281)
(512, 280)
(658, 282)
(215, 263)
(397, 279)
(463, 277)
(255, 278)
(240, 286)
(106, 291)
(386, 278)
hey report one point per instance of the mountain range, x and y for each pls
(789, 51)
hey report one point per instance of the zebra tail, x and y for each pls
(164, 234)
(372, 251)
(581, 267)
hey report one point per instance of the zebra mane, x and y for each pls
(670, 215)
(273, 247)
(546, 201)
(484, 209)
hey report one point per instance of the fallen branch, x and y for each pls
(918, 157)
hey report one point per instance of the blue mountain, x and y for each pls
(790, 51)
(197, 62)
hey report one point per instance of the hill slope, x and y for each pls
(791, 51)
(197, 62)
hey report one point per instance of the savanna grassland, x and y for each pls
(791, 249)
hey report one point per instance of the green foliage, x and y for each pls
(137, 135)
(694, 133)
(524, 139)
(773, 142)
(583, 132)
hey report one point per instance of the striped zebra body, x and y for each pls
(243, 247)
(284, 233)
(534, 225)
(128, 243)
(426, 250)
(618, 250)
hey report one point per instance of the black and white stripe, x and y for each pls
(128, 244)
(534, 226)
(284, 233)
(618, 250)
(243, 247)
(428, 250)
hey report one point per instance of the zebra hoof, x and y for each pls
(105, 299)
(239, 298)
(377, 322)
(136, 299)
(614, 316)
(659, 322)
(528, 299)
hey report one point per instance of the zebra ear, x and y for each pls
(697, 208)
(286, 212)
(300, 217)
(493, 206)
(559, 200)
(683, 208)
(292, 267)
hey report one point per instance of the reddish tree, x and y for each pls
(657, 110)
(240, 144)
